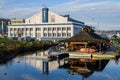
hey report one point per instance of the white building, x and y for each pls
(46, 25)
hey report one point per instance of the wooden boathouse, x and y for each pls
(86, 41)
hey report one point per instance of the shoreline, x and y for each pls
(8, 55)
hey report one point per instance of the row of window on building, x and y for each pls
(45, 29)
(59, 28)
(21, 29)
(39, 35)
(57, 34)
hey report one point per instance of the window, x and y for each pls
(54, 29)
(45, 34)
(54, 34)
(58, 29)
(38, 35)
(15, 29)
(49, 29)
(69, 34)
(68, 28)
(38, 29)
(45, 29)
(11, 29)
(49, 34)
(53, 18)
(63, 34)
(26, 29)
(59, 34)
(63, 28)
(22, 29)
(31, 29)
(31, 34)
(11, 34)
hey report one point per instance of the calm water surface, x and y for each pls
(31, 67)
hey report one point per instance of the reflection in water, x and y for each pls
(36, 67)
(84, 67)
(45, 67)
(41, 63)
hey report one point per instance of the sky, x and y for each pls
(102, 14)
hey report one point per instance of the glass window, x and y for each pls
(26, 29)
(31, 29)
(22, 29)
(15, 29)
(54, 34)
(49, 29)
(53, 18)
(45, 34)
(63, 34)
(59, 34)
(11, 34)
(38, 29)
(49, 34)
(54, 29)
(58, 29)
(69, 34)
(31, 34)
(45, 29)
(38, 35)
(68, 28)
(64, 28)
(11, 29)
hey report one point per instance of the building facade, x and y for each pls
(16, 21)
(3, 26)
(46, 25)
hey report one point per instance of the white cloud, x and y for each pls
(19, 12)
(106, 12)
(76, 5)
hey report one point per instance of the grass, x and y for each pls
(10, 48)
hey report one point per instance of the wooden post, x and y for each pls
(100, 49)
(85, 45)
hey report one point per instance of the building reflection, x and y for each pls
(44, 65)
(84, 67)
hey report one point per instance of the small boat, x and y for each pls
(87, 50)
(80, 55)
(95, 56)
(57, 55)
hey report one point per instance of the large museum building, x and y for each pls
(46, 25)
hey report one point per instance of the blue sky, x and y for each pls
(103, 14)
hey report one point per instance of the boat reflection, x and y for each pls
(84, 67)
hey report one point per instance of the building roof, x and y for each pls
(72, 20)
(85, 35)
(114, 37)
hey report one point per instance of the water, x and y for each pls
(31, 67)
